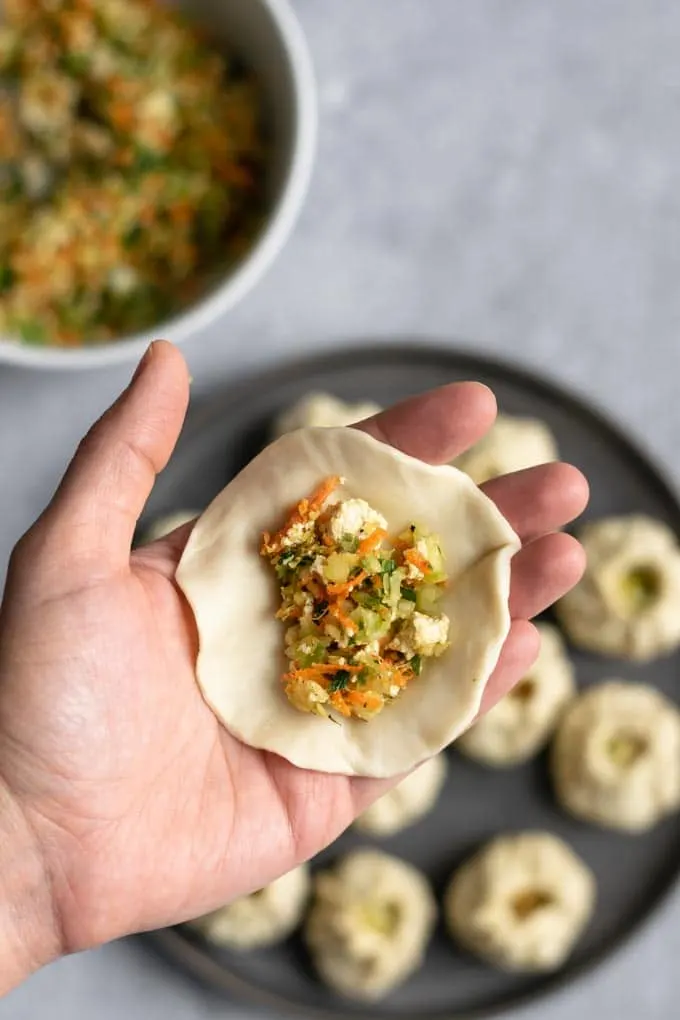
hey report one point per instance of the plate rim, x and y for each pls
(170, 943)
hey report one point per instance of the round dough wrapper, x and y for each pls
(521, 902)
(628, 602)
(233, 593)
(616, 756)
(521, 723)
(261, 919)
(370, 923)
(323, 410)
(410, 800)
(512, 444)
(162, 526)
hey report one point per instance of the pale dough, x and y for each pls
(234, 597)
(616, 756)
(521, 723)
(162, 526)
(628, 601)
(407, 802)
(323, 410)
(370, 923)
(261, 919)
(512, 444)
(521, 902)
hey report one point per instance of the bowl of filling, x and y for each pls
(153, 160)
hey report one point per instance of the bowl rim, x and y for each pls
(276, 231)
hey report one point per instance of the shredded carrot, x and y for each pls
(371, 541)
(418, 561)
(302, 513)
(339, 704)
(343, 590)
(364, 700)
(337, 613)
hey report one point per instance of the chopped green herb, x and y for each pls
(32, 332)
(416, 664)
(339, 680)
(409, 594)
(6, 277)
(350, 542)
(388, 566)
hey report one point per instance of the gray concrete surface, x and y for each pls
(502, 172)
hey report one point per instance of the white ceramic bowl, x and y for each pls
(268, 37)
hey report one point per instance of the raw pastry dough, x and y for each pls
(521, 902)
(510, 445)
(323, 410)
(520, 724)
(616, 756)
(628, 601)
(261, 919)
(370, 923)
(407, 802)
(234, 599)
(162, 526)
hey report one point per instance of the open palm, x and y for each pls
(146, 811)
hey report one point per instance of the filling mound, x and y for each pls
(360, 607)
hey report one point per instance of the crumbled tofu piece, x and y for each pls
(47, 102)
(354, 517)
(413, 573)
(297, 534)
(318, 566)
(123, 280)
(422, 635)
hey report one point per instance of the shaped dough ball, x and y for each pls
(521, 902)
(521, 723)
(616, 756)
(369, 926)
(510, 445)
(261, 919)
(323, 410)
(628, 602)
(162, 526)
(409, 801)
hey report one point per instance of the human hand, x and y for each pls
(136, 808)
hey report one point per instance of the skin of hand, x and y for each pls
(124, 805)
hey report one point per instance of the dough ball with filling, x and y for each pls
(369, 924)
(616, 756)
(162, 526)
(522, 902)
(434, 668)
(628, 602)
(521, 723)
(512, 444)
(261, 919)
(409, 801)
(323, 410)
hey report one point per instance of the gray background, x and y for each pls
(504, 172)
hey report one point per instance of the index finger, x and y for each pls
(438, 425)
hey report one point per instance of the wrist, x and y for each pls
(29, 932)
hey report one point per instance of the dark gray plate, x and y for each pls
(633, 872)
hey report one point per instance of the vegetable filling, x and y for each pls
(361, 608)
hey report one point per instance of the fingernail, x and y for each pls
(146, 358)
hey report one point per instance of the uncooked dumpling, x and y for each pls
(261, 919)
(370, 923)
(616, 756)
(628, 602)
(521, 902)
(407, 802)
(323, 410)
(162, 526)
(512, 444)
(234, 597)
(521, 723)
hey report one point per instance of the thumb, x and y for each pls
(93, 515)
